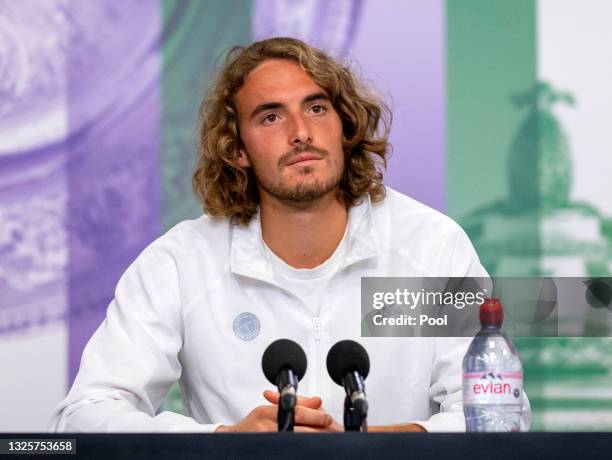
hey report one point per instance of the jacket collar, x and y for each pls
(247, 253)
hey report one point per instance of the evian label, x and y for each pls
(492, 387)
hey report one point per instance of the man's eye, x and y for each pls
(318, 109)
(270, 118)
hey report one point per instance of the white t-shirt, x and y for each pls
(308, 284)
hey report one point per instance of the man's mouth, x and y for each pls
(302, 157)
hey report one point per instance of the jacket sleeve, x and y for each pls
(446, 390)
(132, 359)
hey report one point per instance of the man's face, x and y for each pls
(291, 133)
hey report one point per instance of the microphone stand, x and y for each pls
(286, 419)
(287, 383)
(354, 420)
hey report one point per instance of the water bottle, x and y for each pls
(492, 376)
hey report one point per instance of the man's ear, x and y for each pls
(242, 159)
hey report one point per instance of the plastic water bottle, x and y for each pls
(492, 376)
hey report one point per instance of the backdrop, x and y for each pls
(500, 120)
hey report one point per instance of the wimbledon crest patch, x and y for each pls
(246, 326)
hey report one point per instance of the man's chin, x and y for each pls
(307, 194)
(302, 192)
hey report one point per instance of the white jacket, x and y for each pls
(176, 315)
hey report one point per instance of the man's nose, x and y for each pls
(300, 132)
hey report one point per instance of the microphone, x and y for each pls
(348, 365)
(284, 365)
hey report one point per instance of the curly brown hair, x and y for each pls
(229, 191)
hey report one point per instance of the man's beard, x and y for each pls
(306, 191)
(303, 192)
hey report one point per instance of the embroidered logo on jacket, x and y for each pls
(246, 326)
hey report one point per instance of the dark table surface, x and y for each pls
(341, 445)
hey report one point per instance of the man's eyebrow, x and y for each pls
(265, 106)
(276, 105)
(315, 97)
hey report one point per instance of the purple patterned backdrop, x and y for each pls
(401, 50)
(114, 145)
(323, 23)
(33, 156)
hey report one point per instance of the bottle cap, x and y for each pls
(491, 313)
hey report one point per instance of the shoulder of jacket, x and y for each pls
(189, 235)
(190, 250)
(402, 216)
(420, 235)
(182, 245)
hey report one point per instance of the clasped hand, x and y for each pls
(309, 417)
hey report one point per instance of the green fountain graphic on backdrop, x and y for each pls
(537, 230)
(538, 225)
(541, 144)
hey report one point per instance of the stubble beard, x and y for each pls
(305, 191)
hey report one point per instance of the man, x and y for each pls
(296, 214)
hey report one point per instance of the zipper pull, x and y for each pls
(317, 329)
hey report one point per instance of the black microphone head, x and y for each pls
(283, 353)
(347, 356)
